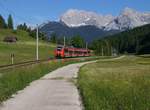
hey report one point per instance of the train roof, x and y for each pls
(72, 48)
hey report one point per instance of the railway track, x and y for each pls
(2, 67)
(28, 63)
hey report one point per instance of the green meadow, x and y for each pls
(116, 84)
(24, 49)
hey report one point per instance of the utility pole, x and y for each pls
(102, 51)
(86, 45)
(37, 43)
(12, 58)
(64, 41)
(111, 51)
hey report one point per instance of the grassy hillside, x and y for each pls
(21, 35)
(24, 49)
(120, 84)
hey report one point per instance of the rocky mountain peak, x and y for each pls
(128, 19)
(76, 18)
(89, 23)
(128, 11)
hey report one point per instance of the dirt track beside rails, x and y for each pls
(55, 91)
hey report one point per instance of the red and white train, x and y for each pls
(62, 52)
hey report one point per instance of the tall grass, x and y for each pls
(116, 85)
(16, 79)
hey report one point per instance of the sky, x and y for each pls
(38, 11)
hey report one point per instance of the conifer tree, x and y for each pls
(10, 22)
(3, 24)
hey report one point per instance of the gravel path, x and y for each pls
(55, 91)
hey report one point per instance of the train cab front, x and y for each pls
(59, 52)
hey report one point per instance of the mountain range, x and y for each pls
(91, 25)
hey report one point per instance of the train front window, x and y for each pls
(59, 48)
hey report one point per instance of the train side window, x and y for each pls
(66, 50)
